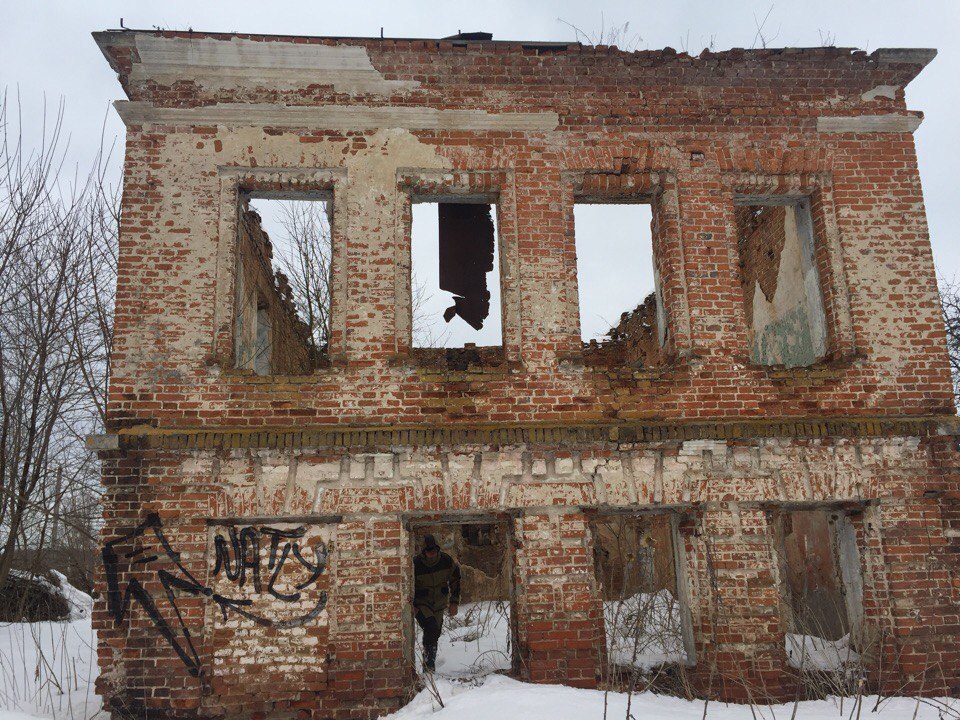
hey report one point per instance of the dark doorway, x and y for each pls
(481, 638)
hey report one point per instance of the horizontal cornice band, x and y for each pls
(549, 435)
(334, 117)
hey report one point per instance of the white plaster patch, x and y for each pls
(238, 62)
(696, 447)
(886, 91)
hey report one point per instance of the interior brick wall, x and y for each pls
(289, 348)
(760, 240)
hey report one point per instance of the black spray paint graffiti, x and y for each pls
(245, 547)
(239, 559)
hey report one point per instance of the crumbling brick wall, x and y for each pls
(357, 453)
(282, 346)
(761, 239)
(633, 342)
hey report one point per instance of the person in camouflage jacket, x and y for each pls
(436, 587)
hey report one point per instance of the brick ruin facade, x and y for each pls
(258, 528)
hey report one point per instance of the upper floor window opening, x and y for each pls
(283, 282)
(455, 273)
(621, 315)
(786, 319)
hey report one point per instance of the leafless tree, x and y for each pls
(950, 302)
(307, 264)
(57, 270)
(302, 252)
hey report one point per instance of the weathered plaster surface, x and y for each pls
(217, 64)
(869, 123)
(355, 117)
(692, 473)
(790, 328)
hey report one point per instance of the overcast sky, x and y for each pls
(46, 51)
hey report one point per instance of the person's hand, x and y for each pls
(453, 609)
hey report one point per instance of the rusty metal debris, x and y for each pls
(466, 256)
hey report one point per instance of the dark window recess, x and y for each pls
(814, 578)
(478, 535)
(466, 256)
(643, 610)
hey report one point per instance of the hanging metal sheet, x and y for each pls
(466, 256)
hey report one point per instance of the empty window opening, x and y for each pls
(282, 319)
(621, 319)
(786, 321)
(480, 639)
(643, 599)
(823, 585)
(455, 275)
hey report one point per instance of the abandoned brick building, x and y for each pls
(773, 424)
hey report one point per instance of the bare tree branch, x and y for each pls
(57, 277)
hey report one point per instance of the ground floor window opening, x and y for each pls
(820, 565)
(644, 612)
(481, 638)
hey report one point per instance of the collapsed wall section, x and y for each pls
(270, 338)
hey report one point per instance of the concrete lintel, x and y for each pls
(454, 517)
(907, 56)
(638, 509)
(103, 442)
(869, 124)
(353, 117)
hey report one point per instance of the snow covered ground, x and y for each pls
(475, 642)
(496, 697)
(644, 630)
(47, 669)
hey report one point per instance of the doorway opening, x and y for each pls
(481, 638)
(820, 564)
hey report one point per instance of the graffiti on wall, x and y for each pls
(247, 561)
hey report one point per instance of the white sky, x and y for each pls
(614, 263)
(46, 52)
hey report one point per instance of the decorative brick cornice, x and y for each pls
(523, 434)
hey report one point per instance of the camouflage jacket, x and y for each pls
(435, 585)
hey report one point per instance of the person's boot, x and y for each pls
(430, 658)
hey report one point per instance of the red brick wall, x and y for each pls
(559, 608)
(871, 176)
(540, 434)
